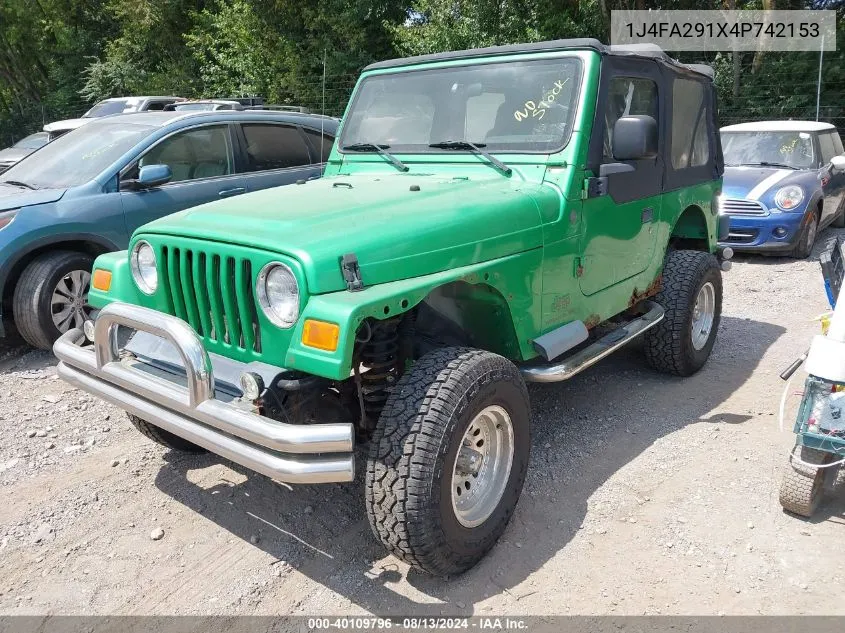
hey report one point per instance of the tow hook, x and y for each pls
(724, 255)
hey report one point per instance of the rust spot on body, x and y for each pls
(592, 321)
(653, 288)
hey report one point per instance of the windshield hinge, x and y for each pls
(594, 187)
(351, 272)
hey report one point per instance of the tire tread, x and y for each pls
(665, 344)
(28, 295)
(404, 452)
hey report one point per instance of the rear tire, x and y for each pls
(802, 487)
(165, 438)
(431, 509)
(692, 286)
(51, 277)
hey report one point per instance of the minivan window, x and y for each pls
(322, 142)
(194, 154)
(78, 156)
(274, 147)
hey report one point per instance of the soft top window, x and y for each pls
(690, 143)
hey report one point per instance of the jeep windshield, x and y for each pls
(768, 149)
(516, 106)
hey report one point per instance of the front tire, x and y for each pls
(51, 296)
(165, 438)
(839, 218)
(807, 238)
(448, 459)
(691, 295)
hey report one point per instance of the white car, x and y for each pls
(106, 107)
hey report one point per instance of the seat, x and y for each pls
(176, 154)
(210, 169)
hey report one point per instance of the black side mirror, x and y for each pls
(634, 137)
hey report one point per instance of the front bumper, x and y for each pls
(317, 453)
(757, 233)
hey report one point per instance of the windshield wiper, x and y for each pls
(477, 148)
(767, 164)
(370, 147)
(18, 183)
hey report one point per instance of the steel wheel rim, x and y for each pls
(703, 315)
(482, 466)
(69, 303)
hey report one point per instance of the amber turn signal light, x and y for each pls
(320, 335)
(102, 280)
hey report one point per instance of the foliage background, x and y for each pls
(57, 57)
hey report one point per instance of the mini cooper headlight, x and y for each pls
(278, 294)
(142, 261)
(789, 197)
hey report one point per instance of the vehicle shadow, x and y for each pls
(584, 431)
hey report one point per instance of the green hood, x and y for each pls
(395, 232)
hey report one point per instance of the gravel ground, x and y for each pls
(646, 495)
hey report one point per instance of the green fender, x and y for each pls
(506, 276)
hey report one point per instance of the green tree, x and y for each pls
(230, 45)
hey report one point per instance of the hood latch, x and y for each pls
(351, 272)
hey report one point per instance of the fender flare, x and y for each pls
(54, 240)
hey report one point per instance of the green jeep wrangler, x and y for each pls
(487, 217)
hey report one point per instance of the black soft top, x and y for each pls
(638, 50)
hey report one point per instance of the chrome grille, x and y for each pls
(741, 206)
(213, 293)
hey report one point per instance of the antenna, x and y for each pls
(323, 108)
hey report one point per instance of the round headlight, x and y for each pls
(789, 197)
(143, 265)
(278, 294)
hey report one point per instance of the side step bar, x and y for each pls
(590, 355)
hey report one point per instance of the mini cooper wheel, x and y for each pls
(691, 295)
(448, 459)
(807, 237)
(51, 296)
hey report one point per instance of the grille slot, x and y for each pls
(741, 206)
(214, 295)
(742, 236)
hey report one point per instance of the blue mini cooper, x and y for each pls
(784, 181)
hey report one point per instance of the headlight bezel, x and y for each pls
(134, 265)
(780, 194)
(7, 217)
(264, 301)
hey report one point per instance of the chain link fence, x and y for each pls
(754, 97)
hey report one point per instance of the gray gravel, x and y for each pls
(646, 495)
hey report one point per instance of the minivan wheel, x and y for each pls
(448, 459)
(51, 296)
